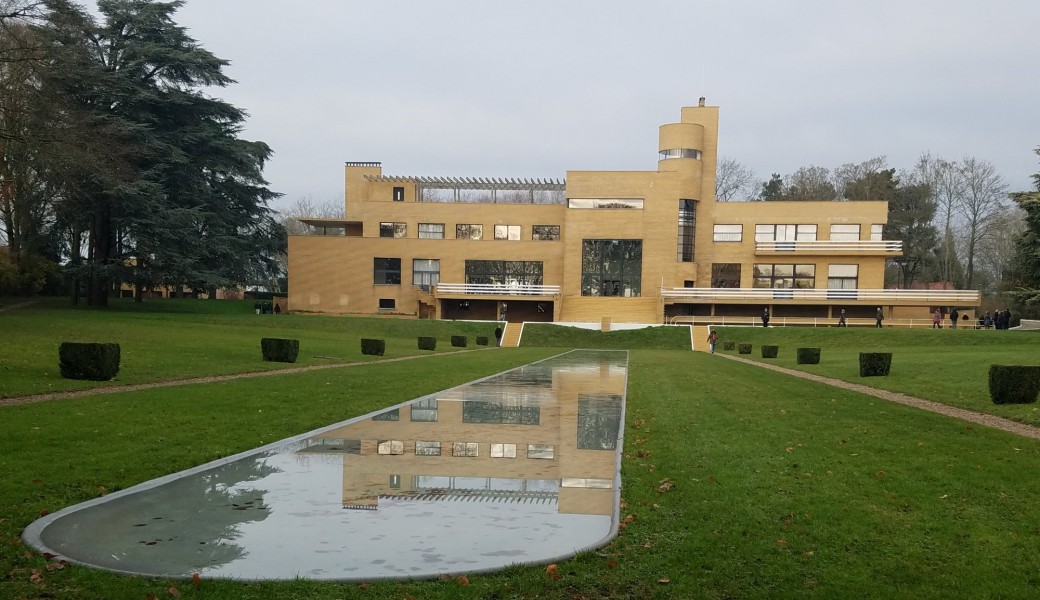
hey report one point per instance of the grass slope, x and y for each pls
(560, 336)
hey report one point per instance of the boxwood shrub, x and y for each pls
(744, 348)
(1014, 384)
(427, 343)
(459, 341)
(279, 349)
(770, 351)
(729, 345)
(482, 340)
(84, 360)
(373, 347)
(874, 364)
(808, 356)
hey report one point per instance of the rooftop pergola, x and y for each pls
(500, 190)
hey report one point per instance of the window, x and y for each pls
(785, 233)
(398, 194)
(504, 272)
(876, 231)
(611, 267)
(392, 447)
(845, 233)
(545, 232)
(469, 232)
(507, 232)
(467, 449)
(687, 227)
(424, 411)
(390, 415)
(680, 153)
(393, 230)
(431, 231)
(785, 276)
(627, 203)
(387, 303)
(426, 272)
(729, 233)
(842, 277)
(386, 271)
(427, 448)
(503, 450)
(546, 451)
(725, 275)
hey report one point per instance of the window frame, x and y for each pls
(477, 227)
(508, 232)
(431, 233)
(553, 234)
(718, 234)
(395, 229)
(387, 272)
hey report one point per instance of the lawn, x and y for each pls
(737, 482)
(943, 365)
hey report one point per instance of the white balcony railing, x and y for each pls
(852, 246)
(490, 289)
(880, 296)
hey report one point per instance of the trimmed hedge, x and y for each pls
(427, 343)
(87, 360)
(744, 348)
(482, 340)
(729, 345)
(1014, 384)
(808, 356)
(459, 341)
(770, 351)
(874, 364)
(279, 349)
(373, 347)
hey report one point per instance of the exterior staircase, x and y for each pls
(700, 339)
(511, 335)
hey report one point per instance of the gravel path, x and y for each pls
(116, 389)
(959, 413)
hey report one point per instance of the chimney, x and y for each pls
(701, 102)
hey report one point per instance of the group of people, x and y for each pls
(1001, 319)
(266, 308)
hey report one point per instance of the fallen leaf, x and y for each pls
(665, 485)
(664, 580)
(781, 543)
(647, 545)
(462, 579)
(196, 580)
(879, 474)
(789, 449)
(553, 571)
(807, 555)
(174, 592)
(612, 563)
(36, 577)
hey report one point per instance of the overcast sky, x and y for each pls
(533, 89)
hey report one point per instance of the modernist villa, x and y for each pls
(600, 246)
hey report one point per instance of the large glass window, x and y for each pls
(507, 232)
(386, 271)
(843, 277)
(431, 231)
(611, 267)
(845, 233)
(393, 230)
(728, 233)
(785, 233)
(725, 275)
(469, 232)
(545, 232)
(424, 411)
(504, 272)
(426, 272)
(687, 227)
(785, 276)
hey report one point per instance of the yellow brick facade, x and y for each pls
(618, 255)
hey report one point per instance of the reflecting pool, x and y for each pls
(519, 467)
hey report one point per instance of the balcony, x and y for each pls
(465, 290)
(832, 247)
(820, 296)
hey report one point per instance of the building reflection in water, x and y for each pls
(518, 467)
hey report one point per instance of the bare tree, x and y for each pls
(810, 183)
(947, 184)
(984, 194)
(996, 253)
(734, 181)
(305, 207)
(861, 173)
